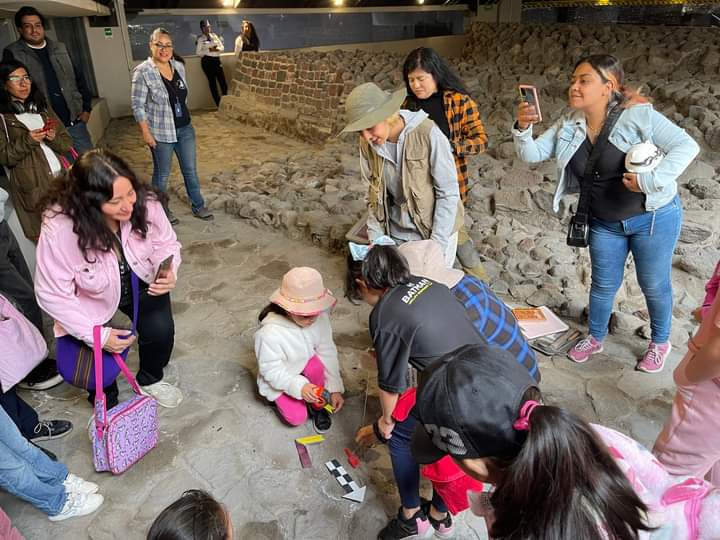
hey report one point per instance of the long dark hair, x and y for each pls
(384, 267)
(196, 514)
(353, 271)
(272, 308)
(253, 38)
(563, 484)
(430, 61)
(35, 101)
(608, 67)
(82, 190)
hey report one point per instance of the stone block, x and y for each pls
(510, 202)
(704, 188)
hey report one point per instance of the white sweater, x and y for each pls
(283, 348)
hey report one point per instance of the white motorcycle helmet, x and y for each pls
(643, 157)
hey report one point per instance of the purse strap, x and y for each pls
(100, 404)
(582, 213)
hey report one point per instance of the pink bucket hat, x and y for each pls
(302, 292)
(425, 259)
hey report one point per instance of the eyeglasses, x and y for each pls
(17, 79)
(163, 46)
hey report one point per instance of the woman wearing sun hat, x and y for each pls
(295, 350)
(408, 163)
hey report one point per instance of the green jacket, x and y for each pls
(27, 168)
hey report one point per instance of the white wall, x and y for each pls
(113, 74)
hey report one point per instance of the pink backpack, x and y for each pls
(23, 347)
(123, 435)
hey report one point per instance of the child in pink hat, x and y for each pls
(295, 349)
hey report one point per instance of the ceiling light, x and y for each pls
(421, 2)
(338, 2)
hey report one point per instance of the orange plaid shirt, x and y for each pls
(467, 133)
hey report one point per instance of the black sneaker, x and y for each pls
(204, 213)
(172, 218)
(443, 528)
(51, 429)
(321, 420)
(44, 376)
(418, 526)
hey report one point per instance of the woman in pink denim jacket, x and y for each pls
(101, 225)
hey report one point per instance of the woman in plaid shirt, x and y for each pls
(434, 88)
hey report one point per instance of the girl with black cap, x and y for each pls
(556, 476)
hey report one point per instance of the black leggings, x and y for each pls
(156, 337)
(24, 416)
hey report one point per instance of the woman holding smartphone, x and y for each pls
(637, 213)
(101, 226)
(31, 140)
(434, 88)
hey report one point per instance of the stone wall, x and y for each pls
(288, 92)
(317, 193)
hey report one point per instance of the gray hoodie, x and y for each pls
(444, 174)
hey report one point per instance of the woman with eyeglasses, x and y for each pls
(159, 104)
(634, 206)
(31, 142)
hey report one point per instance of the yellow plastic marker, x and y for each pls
(311, 439)
(329, 408)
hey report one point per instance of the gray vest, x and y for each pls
(60, 60)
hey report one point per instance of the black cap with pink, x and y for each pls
(467, 403)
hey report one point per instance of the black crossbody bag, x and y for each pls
(578, 234)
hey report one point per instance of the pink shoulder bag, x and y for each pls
(123, 435)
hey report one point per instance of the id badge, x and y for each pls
(178, 109)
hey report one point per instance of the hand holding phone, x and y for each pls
(164, 267)
(49, 124)
(529, 108)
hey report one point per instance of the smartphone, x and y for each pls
(164, 267)
(528, 94)
(49, 124)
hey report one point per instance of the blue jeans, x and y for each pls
(26, 472)
(405, 468)
(81, 137)
(651, 237)
(184, 149)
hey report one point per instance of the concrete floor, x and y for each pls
(224, 439)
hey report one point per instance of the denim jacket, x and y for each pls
(636, 124)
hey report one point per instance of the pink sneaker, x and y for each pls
(654, 358)
(584, 349)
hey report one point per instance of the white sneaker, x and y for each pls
(75, 484)
(78, 504)
(166, 394)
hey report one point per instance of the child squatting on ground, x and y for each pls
(295, 351)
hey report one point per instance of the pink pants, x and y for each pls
(689, 444)
(294, 411)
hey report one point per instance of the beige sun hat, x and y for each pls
(302, 292)
(368, 105)
(425, 259)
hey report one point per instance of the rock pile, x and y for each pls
(319, 194)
